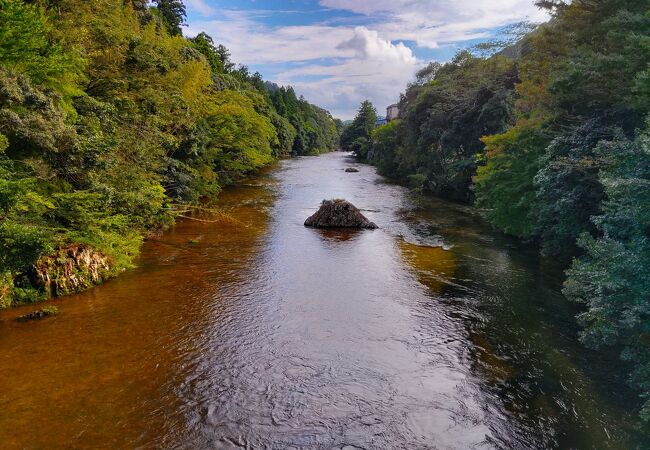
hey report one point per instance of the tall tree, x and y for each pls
(204, 43)
(173, 14)
(224, 56)
(357, 136)
(26, 46)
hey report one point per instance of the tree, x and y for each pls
(315, 129)
(111, 124)
(26, 46)
(356, 137)
(224, 56)
(385, 147)
(444, 114)
(173, 14)
(141, 8)
(204, 43)
(504, 183)
(569, 191)
(612, 277)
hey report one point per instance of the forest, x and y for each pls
(547, 132)
(112, 124)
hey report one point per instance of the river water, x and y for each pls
(432, 332)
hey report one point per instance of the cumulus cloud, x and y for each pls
(377, 70)
(344, 65)
(336, 65)
(367, 44)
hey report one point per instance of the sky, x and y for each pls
(338, 53)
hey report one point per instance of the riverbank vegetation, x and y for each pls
(111, 124)
(550, 137)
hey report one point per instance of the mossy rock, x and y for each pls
(47, 311)
(338, 213)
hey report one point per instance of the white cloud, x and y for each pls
(378, 70)
(337, 66)
(367, 44)
(431, 22)
(201, 6)
(348, 65)
(253, 43)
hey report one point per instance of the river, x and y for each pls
(432, 332)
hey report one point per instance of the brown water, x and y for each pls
(431, 332)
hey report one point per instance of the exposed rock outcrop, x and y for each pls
(338, 214)
(6, 290)
(71, 269)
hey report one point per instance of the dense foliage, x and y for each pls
(111, 122)
(547, 137)
(443, 115)
(356, 137)
(611, 277)
(311, 129)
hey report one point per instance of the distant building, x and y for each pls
(392, 112)
(380, 121)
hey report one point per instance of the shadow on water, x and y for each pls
(524, 338)
(431, 332)
(338, 235)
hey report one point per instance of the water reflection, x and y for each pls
(329, 235)
(435, 266)
(431, 332)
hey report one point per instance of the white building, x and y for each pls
(392, 112)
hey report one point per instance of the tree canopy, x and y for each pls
(548, 137)
(112, 123)
(357, 136)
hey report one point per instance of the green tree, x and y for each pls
(356, 137)
(27, 46)
(593, 93)
(173, 14)
(224, 56)
(315, 129)
(110, 124)
(204, 43)
(612, 277)
(504, 183)
(444, 113)
(385, 147)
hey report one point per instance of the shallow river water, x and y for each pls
(432, 332)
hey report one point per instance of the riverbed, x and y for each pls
(252, 331)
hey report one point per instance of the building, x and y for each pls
(380, 121)
(392, 112)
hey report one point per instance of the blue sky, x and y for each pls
(339, 52)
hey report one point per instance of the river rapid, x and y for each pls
(432, 332)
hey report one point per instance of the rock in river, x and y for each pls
(47, 311)
(338, 214)
(351, 170)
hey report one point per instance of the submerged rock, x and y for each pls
(351, 170)
(47, 311)
(338, 214)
